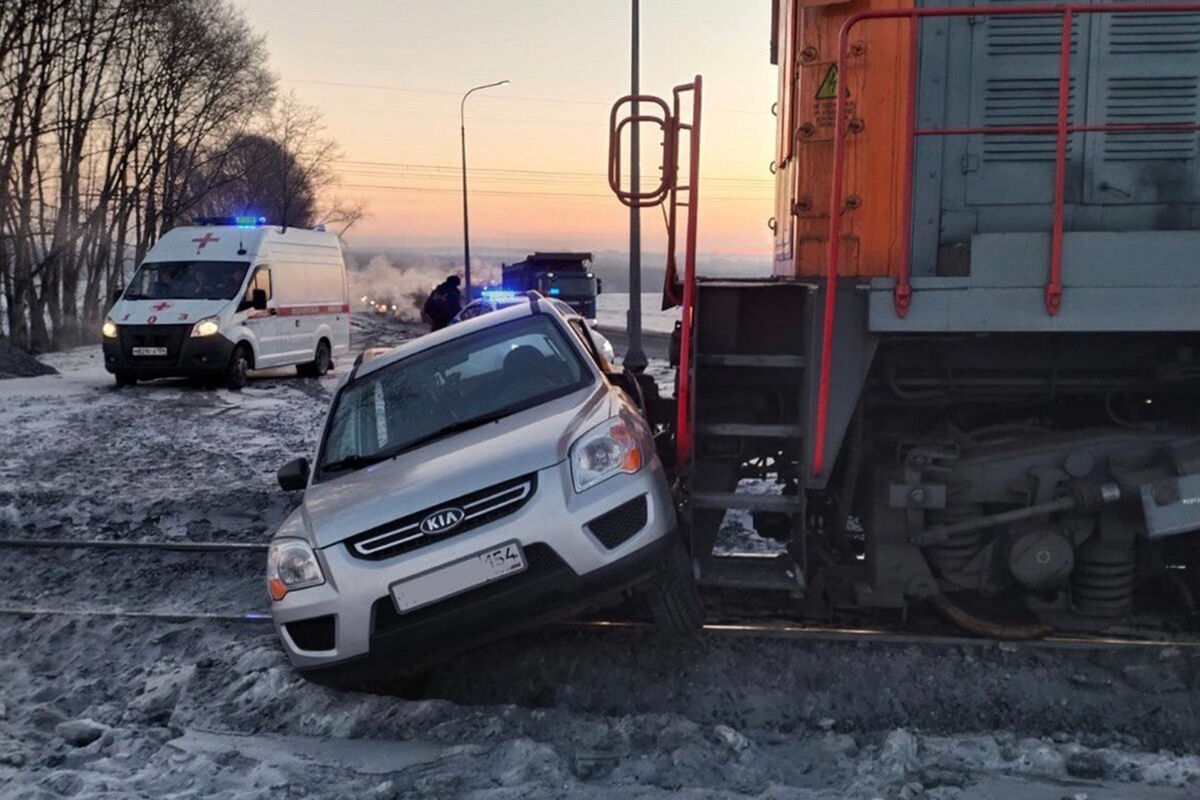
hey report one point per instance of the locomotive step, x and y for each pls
(752, 572)
(751, 360)
(787, 504)
(751, 429)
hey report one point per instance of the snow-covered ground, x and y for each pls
(119, 708)
(612, 310)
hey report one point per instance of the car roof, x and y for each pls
(466, 327)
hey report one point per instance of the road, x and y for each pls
(655, 344)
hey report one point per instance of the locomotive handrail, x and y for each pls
(669, 188)
(1061, 130)
(641, 199)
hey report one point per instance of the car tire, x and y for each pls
(126, 379)
(239, 365)
(673, 597)
(321, 363)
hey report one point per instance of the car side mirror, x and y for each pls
(258, 299)
(293, 476)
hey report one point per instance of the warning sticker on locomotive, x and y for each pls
(824, 107)
(828, 88)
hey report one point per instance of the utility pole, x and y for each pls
(462, 127)
(635, 356)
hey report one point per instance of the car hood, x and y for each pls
(164, 312)
(435, 473)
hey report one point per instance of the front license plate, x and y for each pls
(459, 576)
(149, 351)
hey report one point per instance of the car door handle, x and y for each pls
(297, 323)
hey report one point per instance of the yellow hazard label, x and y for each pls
(828, 88)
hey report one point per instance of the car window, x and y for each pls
(585, 338)
(474, 310)
(261, 280)
(487, 374)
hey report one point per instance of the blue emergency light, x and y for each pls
(250, 222)
(498, 294)
(555, 290)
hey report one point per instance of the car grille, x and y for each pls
(619, 525)
(168, 336)
(410, 533)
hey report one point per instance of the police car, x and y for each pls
(495, 299)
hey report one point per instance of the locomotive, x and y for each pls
(974, 377)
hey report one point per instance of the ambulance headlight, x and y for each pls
(206, 327)
(291, 565)
(606, 450)
(109, 329)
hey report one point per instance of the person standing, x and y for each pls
(443, 303)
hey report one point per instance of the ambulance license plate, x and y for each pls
(149, 351)
(457, 577)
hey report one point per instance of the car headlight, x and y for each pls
(206, 327)
(291, 565)
(608, 449)
(109, 329)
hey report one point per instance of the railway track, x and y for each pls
(774, 629)
(780, 630)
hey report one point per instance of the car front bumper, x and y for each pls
(187, 356)
(568, 568)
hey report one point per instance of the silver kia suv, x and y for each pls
(481, 479)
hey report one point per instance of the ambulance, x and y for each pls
(230, 295)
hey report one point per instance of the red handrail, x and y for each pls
(1061, 130)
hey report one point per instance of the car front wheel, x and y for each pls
(673, 597)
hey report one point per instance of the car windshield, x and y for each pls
(453, 387)
(187, 280)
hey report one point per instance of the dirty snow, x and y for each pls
(116, 708)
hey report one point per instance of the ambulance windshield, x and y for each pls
(187, 280)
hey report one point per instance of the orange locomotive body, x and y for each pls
(805, 46)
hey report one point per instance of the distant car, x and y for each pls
(495, 300)
(478, 480)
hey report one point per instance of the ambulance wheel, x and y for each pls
(319, 365)
(126, 379)
(239, 365)
(673, 597)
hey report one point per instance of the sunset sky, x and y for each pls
(388, 75)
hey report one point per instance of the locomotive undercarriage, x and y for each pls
(1048, 476)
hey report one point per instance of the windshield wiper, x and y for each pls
(355, 462)
(135, 297)
(454, 427)
(360, 461)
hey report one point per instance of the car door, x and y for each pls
(263, 323)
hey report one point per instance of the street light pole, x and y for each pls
(462, 127)
(635, 356)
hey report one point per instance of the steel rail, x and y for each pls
(774, 630)
(101, 544)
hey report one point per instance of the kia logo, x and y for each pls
(443, 520)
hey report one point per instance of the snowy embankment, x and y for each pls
(102, 707)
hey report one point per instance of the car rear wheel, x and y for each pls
(322, 363)
(239, 365)
(673, 598)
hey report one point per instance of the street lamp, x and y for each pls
(462, 126)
